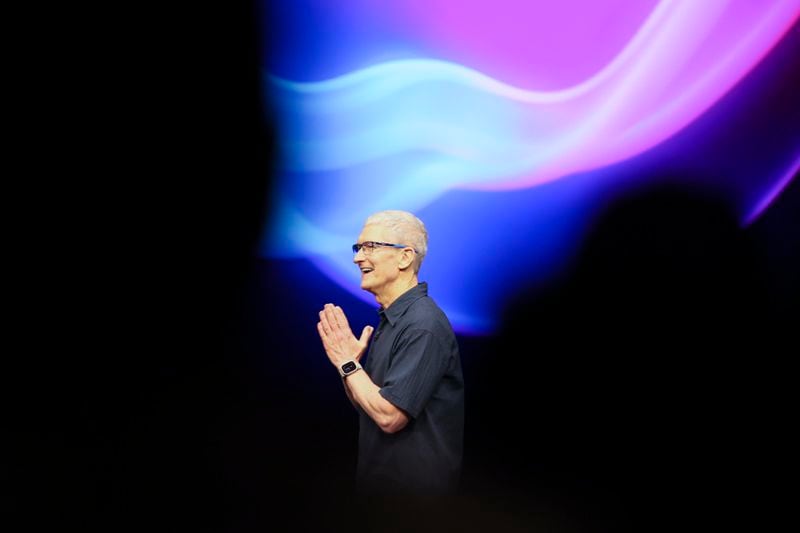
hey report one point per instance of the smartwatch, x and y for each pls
(349, 367)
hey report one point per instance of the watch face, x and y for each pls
(348, 367)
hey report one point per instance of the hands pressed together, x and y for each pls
(337, 338)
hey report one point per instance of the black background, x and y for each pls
(155, 379)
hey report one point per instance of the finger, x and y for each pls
(323, 318)
(339, 331)
(341, 318)
(323, 336)
(366, 333)
(330, 316)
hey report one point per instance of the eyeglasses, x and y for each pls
(369, 246)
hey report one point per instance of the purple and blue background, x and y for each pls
(506, 125)
(510, 127)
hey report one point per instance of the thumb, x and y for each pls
(366, 333)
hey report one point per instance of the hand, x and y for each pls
(337, 337)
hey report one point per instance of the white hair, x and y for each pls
(407, 228)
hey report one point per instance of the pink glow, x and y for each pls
(683, 59)
(532, 44)
(774, 192)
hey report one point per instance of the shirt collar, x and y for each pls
(403, 302)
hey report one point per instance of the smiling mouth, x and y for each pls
(366, 270)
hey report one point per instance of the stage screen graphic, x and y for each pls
(505, 125)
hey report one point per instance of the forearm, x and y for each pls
(363, 392)
(349, 393)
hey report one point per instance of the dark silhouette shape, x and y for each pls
(162, 161)
(636, 392)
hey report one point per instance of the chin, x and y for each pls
(365, 285)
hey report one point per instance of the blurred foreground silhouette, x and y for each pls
(643, 391)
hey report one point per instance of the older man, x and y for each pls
(410, 391)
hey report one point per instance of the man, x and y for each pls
(410, 392)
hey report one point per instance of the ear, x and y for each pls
(406, 258)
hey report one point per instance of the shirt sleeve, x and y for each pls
(415, 372)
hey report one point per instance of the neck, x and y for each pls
(392, 293)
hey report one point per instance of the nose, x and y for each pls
(359, 256)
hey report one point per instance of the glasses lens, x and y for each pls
(366, 247)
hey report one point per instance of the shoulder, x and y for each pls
(425, 315)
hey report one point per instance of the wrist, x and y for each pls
(347, 367)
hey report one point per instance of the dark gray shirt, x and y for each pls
(414, 359)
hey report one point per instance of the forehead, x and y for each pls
(375, 232)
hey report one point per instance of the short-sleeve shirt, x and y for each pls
(413, 357)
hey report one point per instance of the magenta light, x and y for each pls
(774, 192)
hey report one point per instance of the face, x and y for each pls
(381, 267)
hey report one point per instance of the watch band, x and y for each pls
(349, 367)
